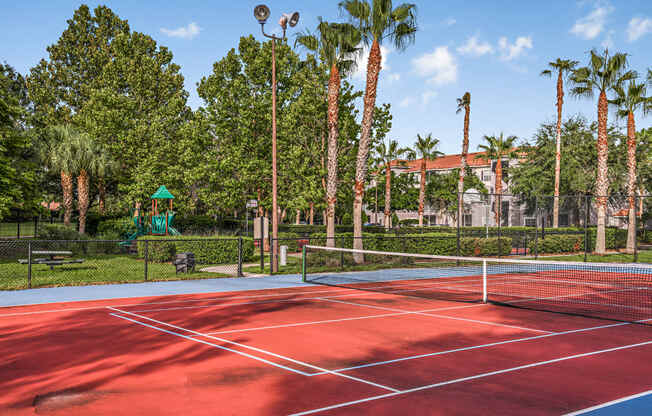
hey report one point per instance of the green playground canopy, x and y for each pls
(162, 193)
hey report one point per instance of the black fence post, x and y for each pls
(262, 243)
(587, 243)
(459, 220)
(35, 226)
(18, 229)
(239, 256)
(500, 222)
(146, 257)
(29, 265)
(635, 230)
(536, 227)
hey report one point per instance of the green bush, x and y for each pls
(291, 240)
(347, 219)
(59, 232)
(122, 227)
(557, 244)
(207, 250)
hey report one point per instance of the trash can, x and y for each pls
(283, 261)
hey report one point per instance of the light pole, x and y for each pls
(261, 13)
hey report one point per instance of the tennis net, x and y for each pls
(621, 292)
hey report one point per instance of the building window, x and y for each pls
(468, 220)
(530, 222)
(486, 176)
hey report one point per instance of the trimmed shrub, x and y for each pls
(207, 250)
(122, 227)
(59, 232)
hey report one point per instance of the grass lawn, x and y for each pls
(9, 229)
(94, 270)
(644, 256)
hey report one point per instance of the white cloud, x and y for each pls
(187, 32)
(590, 26)
(439, 66)
(450, 21)
(393, 77)
(426, 96)
(475, 48)
(362, 59)
(516, 49)
(638, 27)
(608, 42)
(405, 102)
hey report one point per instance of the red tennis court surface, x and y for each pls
(312, 350)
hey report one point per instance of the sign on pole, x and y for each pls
(252, 203)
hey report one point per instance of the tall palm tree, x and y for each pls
(62, 160)
(649, 77)
(377, 21)
(603, 73)
(629, 100)
(562, 67)
(336, 45)
(463, 103)
(389, 153)
(498, 148)
(424, 149)
(105, 166)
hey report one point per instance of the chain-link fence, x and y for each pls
(42, 263)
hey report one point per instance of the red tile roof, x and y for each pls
(625, 213)
(443, 162)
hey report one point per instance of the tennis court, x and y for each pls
(459, 337)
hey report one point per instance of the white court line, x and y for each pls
(213, 345)
(314, 367)
(341, 319)
(474, 377)
(438, 316)
(474, 347)
(607, 404)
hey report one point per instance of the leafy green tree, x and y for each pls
(389, 154)
(603, 73)
(629, 99)
(376, 21)
(121, 88)
(425, 149)
(442, 190)
(18, 170)
(562, 67)
(497, 149)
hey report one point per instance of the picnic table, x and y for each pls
(51, 259)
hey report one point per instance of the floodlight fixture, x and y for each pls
(261, 13)
(289, 18)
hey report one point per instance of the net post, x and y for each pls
(536, 227)
(484, 281)
(303, 263)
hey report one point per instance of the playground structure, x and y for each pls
(159, 223)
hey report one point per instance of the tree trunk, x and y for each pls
(333, 133)
(373, 70)
(422, 191)
(602, 181)
(499, 190)
(388, 196)
(560, 103)
(631, 181)
(298, 218)
(463, 163)
(101, 189)
(66, 187)
(82, 199)
(312, 213)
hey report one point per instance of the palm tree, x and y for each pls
(336, 44)
(62, 160)
(463, 103)
(628, 101)
(105, 166)
(498, 148)
(387, 154)
(377, 20)
(426, 149)
(603, 73)
(649, 77)
(562, 67)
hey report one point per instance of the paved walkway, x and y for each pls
(132, 290)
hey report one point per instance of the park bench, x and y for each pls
(51, 260)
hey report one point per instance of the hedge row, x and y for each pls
(207, 250)
(614, 239)
(433, 243)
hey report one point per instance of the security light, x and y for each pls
(261, 13)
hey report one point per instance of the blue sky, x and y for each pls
(493, 49)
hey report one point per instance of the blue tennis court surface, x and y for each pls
(638, 404)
